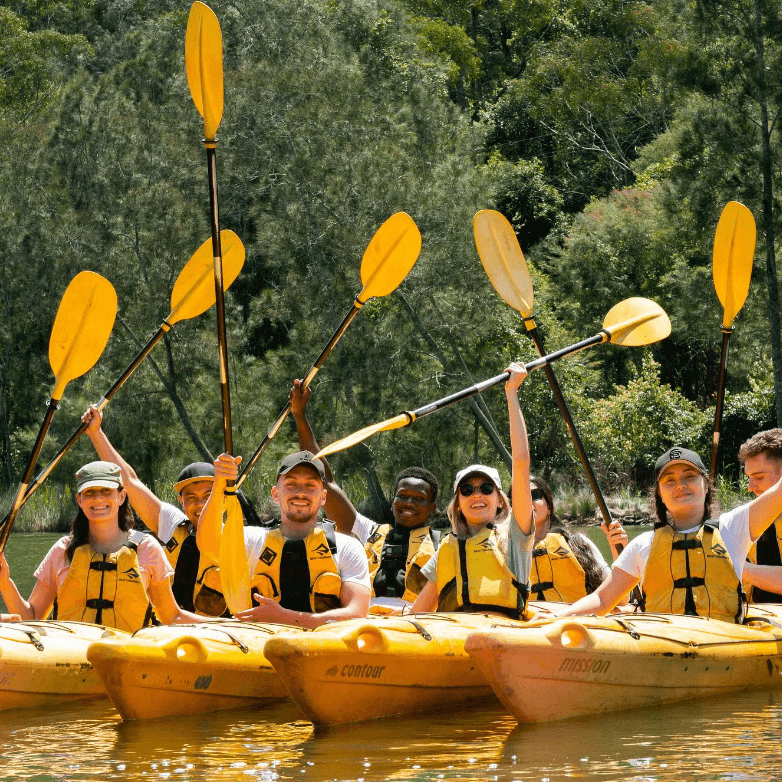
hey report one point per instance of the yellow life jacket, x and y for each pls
(196, 584)
(300, 574)
(472, 576)
(767, 550)
(556, 573)
(691, 574)
(173, 545)
(104, 589)
(400, 564)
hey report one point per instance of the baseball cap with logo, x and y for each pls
(197, 471)
(302, 457)
(105, 475)
(675, 455)
(477, 469)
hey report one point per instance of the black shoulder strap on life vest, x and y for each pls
(186, 573)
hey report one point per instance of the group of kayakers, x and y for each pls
(307, 569)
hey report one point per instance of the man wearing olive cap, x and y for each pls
(196, 583)
(302, 571)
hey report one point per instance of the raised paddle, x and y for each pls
(734, 250)
(388, 259)
(632, 322)
(503, 261)
(80, 332)
(192, 295)
(204, 67)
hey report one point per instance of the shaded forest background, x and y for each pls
(610, 133)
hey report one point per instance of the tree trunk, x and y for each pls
(768, 215)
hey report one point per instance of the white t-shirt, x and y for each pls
(363, 527)
(151, 559)
(351, 560)
(169, 518)
(518, 559)
(734, 529)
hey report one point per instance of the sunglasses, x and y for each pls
(537, 494)
(467, 489)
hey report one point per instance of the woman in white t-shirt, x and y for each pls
(489, 541)
(688, 564)
(104, 572)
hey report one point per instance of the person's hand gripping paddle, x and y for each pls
(504, 263)
(79, 335)
(204, 68)
(734, 250)
(632, 322)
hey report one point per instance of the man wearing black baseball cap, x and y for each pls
(196, 584)
(302, 571)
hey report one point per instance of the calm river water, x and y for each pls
(730, 738)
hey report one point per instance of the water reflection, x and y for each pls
(733, 738)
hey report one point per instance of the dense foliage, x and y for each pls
(610, 133)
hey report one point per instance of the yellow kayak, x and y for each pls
(189, 669)
(575, 666)
(366, 668)
(43, 663)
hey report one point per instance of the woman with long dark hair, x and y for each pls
(104, 572)
(690, 564)
(566, 565)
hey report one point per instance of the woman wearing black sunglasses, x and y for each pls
(566, 565)
(484, 563)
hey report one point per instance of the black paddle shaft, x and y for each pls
(534, 334)
(8, 521)
(465, 393)
(222, 342)
(357, 305)
(715, 445)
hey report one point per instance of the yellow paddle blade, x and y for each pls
(390, 255)
(397, 422)
(234, 574)
(194, 290)
(734, 250)
(636, 321)
(81, 328)
(204, 66)
(503, 260)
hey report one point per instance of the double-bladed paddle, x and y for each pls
(204, 68)
(388, 259)
(632, 322)
(79, 335)
(734, 250)
(503, 261)
(192, 295)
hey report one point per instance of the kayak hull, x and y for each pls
(189, 669)
(578, 666)
(368, 668)
(44, 663)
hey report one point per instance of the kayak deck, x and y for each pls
(576, 666)
(189, 669)
(368, 668)
(43, 663)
